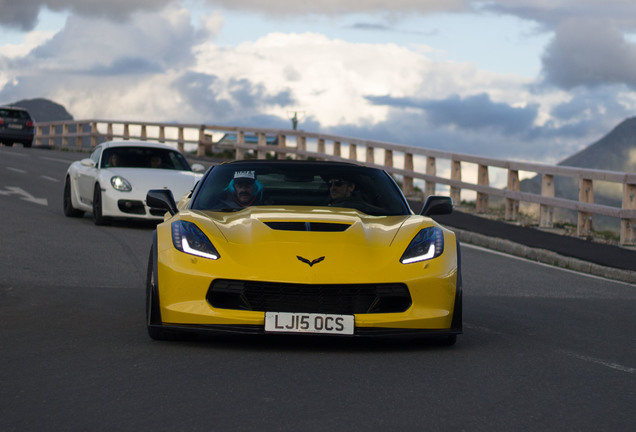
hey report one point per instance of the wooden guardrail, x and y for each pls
(408, 163)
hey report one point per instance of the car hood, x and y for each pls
(144, 179)
(342, 240)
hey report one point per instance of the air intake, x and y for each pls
(308, 226)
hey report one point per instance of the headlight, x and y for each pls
(120, 184)
(188, 238)
(427, 244)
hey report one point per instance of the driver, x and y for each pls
(245, 189)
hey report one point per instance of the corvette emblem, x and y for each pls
(310, 263)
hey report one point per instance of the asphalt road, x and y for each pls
(543, 349)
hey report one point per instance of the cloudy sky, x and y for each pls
(530, 80)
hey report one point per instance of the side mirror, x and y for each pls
(198, 168)
(88, 163)
(162, 199)
(437, 205)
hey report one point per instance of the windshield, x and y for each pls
(144, 157)
(234, 186)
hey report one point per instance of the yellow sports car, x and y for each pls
(302, 247)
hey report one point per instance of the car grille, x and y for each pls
(332, 299)
(131, 206)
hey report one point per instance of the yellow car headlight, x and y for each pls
(427, 244)
(188, 238)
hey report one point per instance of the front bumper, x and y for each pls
(184, 283)
(123, 205)
(363, 332)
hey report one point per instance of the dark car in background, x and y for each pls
(16, 126)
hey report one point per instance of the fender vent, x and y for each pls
(308, 226)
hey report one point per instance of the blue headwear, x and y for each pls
(247, 175)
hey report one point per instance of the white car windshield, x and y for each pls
(143, 157)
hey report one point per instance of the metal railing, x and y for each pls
(411, 165)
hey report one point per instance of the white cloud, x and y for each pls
(330, 78)
(31, 40)
(163, 64)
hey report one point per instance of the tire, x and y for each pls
(448, 340)
(98, 217)
(69, 210)
(153, 312)
(27, 144)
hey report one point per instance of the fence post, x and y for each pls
(336, 148)
(408, 180)
(353, 152)
(512, 205)
(456, 174)
(262, 141)
(321, 146)
(144, 133)
(431, 169)
(301, 144)
(79, 139)
(181, 140)
(628, 231)
(162, 134)
(546, 212)
(482, 180)
(240, 139)
(388, 158)
(370, 155)
(65, 133)
(202, 141)
(94, 134)
(586, 195)
(126, 131)
(109, 131)
(282, 144)
(39, 131)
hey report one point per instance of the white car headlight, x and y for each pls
(120, 184)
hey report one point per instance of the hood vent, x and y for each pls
(308, 226)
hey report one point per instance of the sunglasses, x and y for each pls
(337, 183)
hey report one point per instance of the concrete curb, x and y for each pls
(544, 256)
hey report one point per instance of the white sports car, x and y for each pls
(114, 180)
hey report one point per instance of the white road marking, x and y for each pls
(25, 196)
(471, 246)
(601, 362)
(14, 153)
(18, 170)
(50, 178)
(66, 161)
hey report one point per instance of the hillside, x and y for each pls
(614, 152)
(44, 110)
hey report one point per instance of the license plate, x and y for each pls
(293, 322)
(14, 126)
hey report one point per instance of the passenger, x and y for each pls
(344, 193)
(340, 191)
(155, 161)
